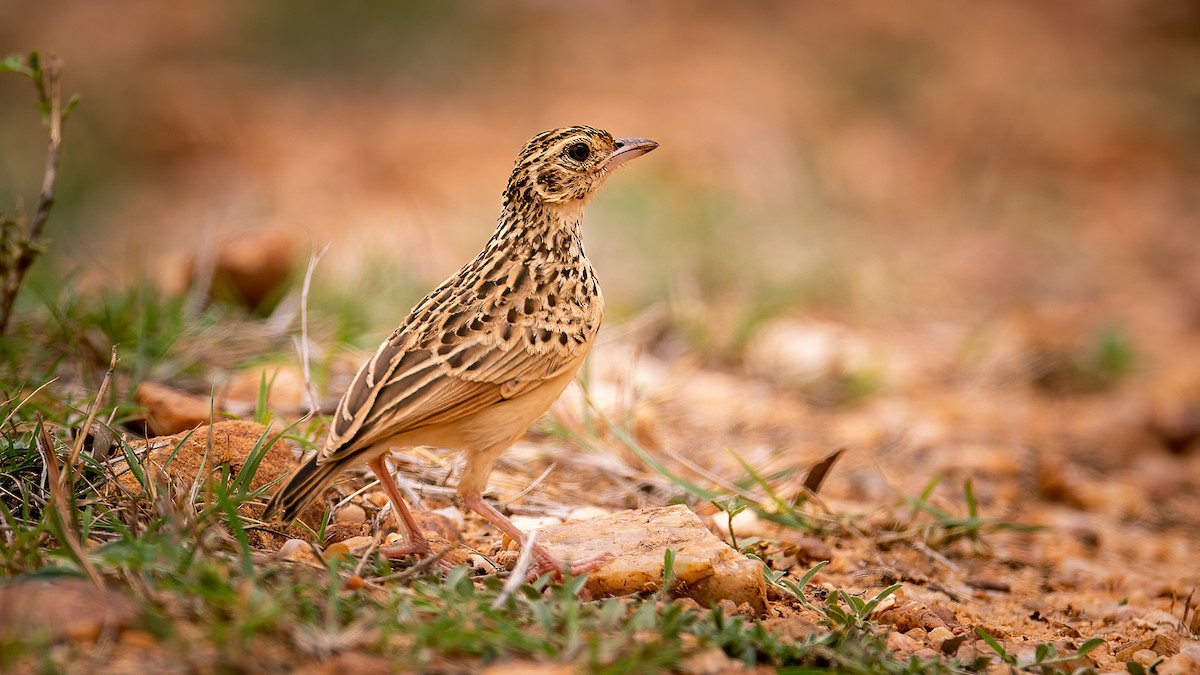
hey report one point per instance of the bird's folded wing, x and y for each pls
(401, 390)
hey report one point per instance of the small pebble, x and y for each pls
(745, 524)
(352, 514)
(350, 548)
(927, 654)
(1180, 664)
(297, 550)
(940, 634)
(1144, 656)
(931, 621)
(900, 642)
(290, 546)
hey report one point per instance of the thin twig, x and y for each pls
(46, 198)
(362, 561)
(81, 437)
(362, 490)
(404, 575)
(935, 556)
(46, 79)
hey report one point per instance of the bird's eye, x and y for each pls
(579, 151)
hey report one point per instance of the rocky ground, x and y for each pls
(955, 242)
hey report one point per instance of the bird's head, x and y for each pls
(565, 166)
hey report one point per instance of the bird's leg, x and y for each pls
(415, 542)
(546, 562)
(470, 490)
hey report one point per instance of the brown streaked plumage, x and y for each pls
(486, 353)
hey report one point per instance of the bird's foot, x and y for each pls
(545, 562)
(404, 549)
(444, 552)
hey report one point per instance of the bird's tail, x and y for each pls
(305, 485)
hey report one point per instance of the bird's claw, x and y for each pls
(548, 564)
(423, 554)
(395, 551)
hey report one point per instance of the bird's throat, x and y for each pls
(553, 232)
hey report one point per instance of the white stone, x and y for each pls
(706, 569)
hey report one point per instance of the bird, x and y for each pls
(487, 352)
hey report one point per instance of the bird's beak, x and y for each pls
(627, 149)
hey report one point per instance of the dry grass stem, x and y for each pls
(520, 571)
(311, 391)
(61, 501)
(528, 488)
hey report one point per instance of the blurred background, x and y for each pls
(959, 234)
(865, 158)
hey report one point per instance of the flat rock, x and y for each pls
(181, 458)
(706, 569)
(62, 609)
(203, 453)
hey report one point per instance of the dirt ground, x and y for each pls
(958, 241)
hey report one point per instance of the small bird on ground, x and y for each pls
(490, 349)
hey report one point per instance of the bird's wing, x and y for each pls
(406, 386)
